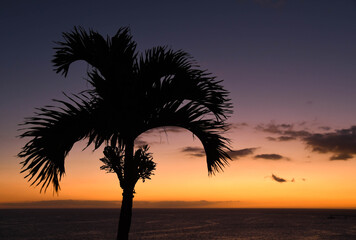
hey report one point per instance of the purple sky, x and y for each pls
(282, 61)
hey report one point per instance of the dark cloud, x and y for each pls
(272, 156)
(235, 154)
(341, 156)
(194, 151)
(342, 143)
(278, 179)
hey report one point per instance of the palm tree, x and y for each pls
(130, 93)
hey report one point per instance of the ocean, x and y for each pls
(182, 224)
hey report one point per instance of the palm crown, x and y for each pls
(131, 93)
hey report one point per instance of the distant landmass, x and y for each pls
(117, 204)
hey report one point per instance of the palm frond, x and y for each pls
(168, 75)
(208, 131)
(53, 131)
(112, 57)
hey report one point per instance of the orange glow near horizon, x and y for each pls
(246, 183)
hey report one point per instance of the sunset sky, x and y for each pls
(290, 68)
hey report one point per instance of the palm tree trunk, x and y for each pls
(127, 195)
(125, 215)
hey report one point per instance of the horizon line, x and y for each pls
(72, 204)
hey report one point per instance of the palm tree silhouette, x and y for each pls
(130, 93)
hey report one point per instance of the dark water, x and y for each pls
(172, 224)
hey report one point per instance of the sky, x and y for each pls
(289, 67)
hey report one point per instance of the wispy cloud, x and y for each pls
(273, 156)
(194, 151)
(235, 154)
